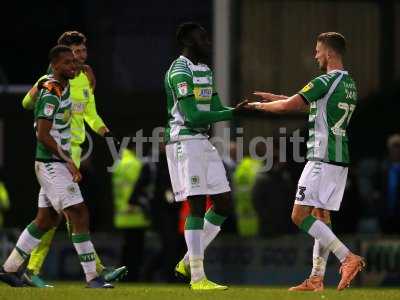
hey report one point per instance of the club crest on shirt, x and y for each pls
(49, 109)
(308, 87)
(182, 88)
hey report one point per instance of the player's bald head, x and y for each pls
(184, 32)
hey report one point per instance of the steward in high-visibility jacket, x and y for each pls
(4, 202)
(126, 174)
(244, 179)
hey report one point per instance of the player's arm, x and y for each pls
(216, 104)
(92, 78)
(30, 98)
(46, 113)
(43, 135)
(313, 91)
(200, 118)
(182, 83)
(292, 104)
(270, 96)
(93, 119)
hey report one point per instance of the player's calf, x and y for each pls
(78, 215)
(27, 241)
(300, 213)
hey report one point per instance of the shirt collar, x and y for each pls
(337, 70)
(187, 59)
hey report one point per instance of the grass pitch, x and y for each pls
(76, 291)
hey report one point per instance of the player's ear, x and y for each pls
(329, 53)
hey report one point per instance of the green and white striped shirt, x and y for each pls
(56, 109)
(185, 79)
(332, 98)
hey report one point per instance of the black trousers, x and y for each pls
(132, 252)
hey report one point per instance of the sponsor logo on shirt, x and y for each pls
(182, 88)
(49, 109)
(308, 87)
(203, 93)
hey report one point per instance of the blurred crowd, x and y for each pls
(262, 201)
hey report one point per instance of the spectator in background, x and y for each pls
(272, 196)
(390, 218)
(380, 188)
(4, 200)
(230, 164)
(129, 215)
(244, 179)
(154, 184)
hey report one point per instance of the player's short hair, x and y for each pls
(55, 52)
(69, 38)
(333, 40)
(184, 30)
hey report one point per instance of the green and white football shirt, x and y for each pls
(56, 109)
(185, 79)
(332, 98)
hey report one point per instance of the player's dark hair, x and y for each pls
(69, 38)
(333, 40)
(184, 30)
(56, 51)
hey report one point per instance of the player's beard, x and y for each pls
(323, 66)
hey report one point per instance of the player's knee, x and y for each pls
(43, 224)
(78, 215)
(197, 205)
(197, 212)
(222, 204)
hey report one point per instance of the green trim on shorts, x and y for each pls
(307, 223)
(194, 223)
(214, 218)
(87, 257)
(80, 238)
(35, 231)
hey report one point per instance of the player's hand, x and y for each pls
(241, 106)
(72, 168)
(267, 97)
(41, 83)
(110, 135)
(51, 85)
(256, 105)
